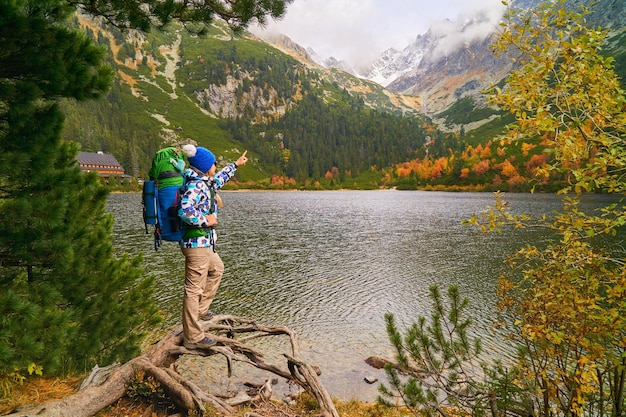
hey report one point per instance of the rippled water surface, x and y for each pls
(329, 265)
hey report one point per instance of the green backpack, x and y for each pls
(168, 165)
(161, 195)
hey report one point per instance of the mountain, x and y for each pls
(442, 80)
(393, 64)
(230, 94)
(448, 63)
(284, 43)
(453, 60)
(302, 122)
(331, 70)
(457, 61)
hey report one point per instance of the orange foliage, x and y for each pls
(547, 139)
(534, 162)
(515, 181)
(404, 170)
(527, 147)
(476, 151)
(436, 172)
(481, 167)
(533, 165)
(486, 153)
(444, 164)
(282, 181)
(426, 169)
(429, 128)
(334, 171)
(507, 169)
(501, 152)
(465, 172)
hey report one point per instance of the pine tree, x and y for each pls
(66, 301)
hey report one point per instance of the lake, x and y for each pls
(331, 264)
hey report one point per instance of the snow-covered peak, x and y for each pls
(392, 63)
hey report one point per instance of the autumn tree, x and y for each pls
(564, 303)
(67, 300)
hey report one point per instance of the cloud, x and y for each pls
(471, 26)
(357, 31)
(332, 28)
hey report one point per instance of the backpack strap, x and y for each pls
(189, 231)
(158, 241)
(168, 174)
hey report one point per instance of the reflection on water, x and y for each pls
(329, 265)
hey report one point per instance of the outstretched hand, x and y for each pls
(242, 159)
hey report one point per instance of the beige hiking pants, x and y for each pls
(203, 273)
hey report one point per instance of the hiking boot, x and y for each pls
(204, 343)
(207, 316)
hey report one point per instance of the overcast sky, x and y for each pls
(359, 30)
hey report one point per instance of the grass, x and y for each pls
(37, 390)
(489, 131)
(465, 111)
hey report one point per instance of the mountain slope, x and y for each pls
(394, 64)
(376, 96)
(442, 81)
(454, 60)
(297, 118)
(173, 86)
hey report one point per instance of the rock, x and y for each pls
(377, 362)
(370, 379)
(240, 398)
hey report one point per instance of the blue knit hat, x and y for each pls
(199, 158)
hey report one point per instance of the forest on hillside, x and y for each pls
(301, 128)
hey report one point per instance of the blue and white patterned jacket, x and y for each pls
(195, 204)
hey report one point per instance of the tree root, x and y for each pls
(104, 386)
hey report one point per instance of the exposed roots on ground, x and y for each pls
(105, 386)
